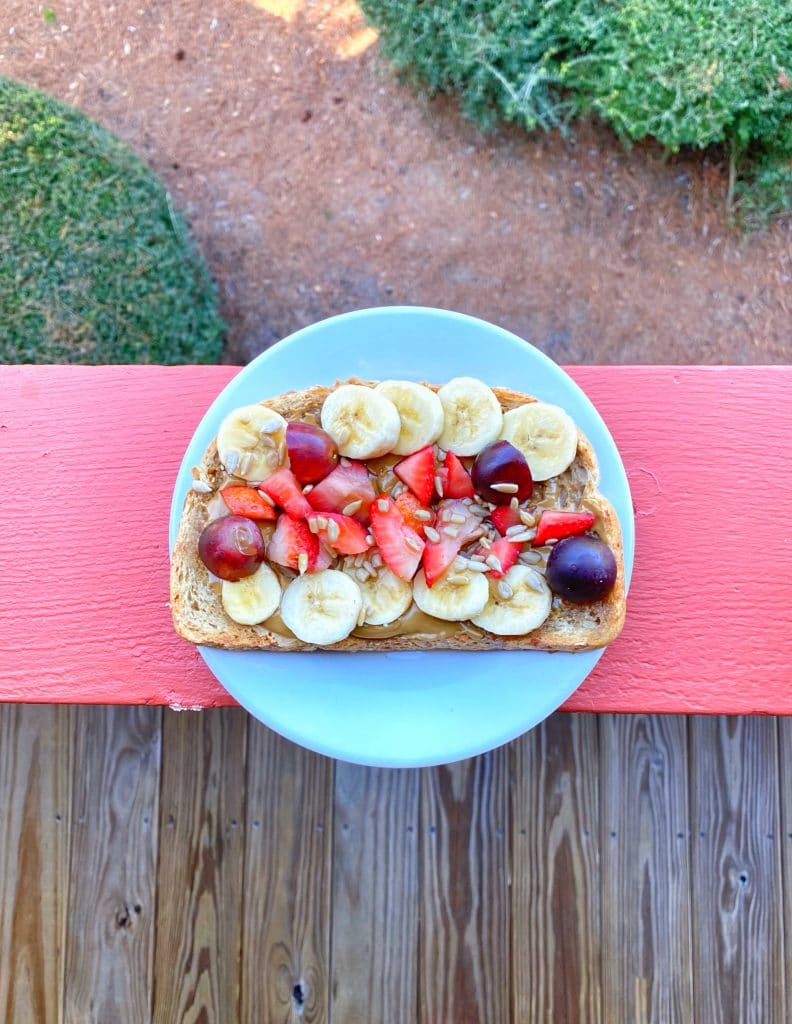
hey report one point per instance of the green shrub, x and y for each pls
(684, 72)
(95, 265)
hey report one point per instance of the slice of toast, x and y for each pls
(198, 613)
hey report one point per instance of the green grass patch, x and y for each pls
(688, 73)
(95, 264)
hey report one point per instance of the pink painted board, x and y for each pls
(90, 455)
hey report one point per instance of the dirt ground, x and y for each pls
(316, 183)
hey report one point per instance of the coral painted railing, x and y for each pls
(89, 456)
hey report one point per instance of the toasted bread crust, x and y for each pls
(198, 614)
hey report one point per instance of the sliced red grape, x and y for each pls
(312, 452)
(500, 473)
(231, 547)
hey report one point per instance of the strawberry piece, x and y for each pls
(555, 525)
(291, 539)
(506, 552)
(401, 547)
(439, 555)
(346, 537)
(408, 505)
(455, 478)
(324, 559)
(284, 489)
(347, 483)
(417, 472)
(246, 501)
(504, 517)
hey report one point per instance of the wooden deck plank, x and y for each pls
(201, 853)
(112, 872)
(288, 848)
(737, 890)
(465, 955)
(556, 873)
(785, 836)
(646, 926)
(375, 895)
(35, 788)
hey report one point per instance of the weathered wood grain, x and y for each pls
(785, 837)
(717, 410)
(35, 784)
(375, 895)
(199, 880)
(465, 955)
(112, 871)
(646, 925)
(737, 890)
(286, 907)
(556, 873)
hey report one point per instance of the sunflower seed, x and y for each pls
(514, 504)
(505, 590)
(332, 531)
(494, 563)
(313, 526)
(460, 563)
(534, 581)
(382, 504)
(522, 536)
(369, 568)
(302, 562)
(270, 501)
(486, 543)
(369, 540)
(432, 534)
(413, 543)
(527, 519)
(530, 557)
(446, 515)
(362, 574)
(201, 487)
(307, 488)
(376, 560)
(362, 615)
(451, 531)
(457, 517)
(477, 558)
(479, 510)
(422, 515)
(359, 560)
(397, 489)
(517, 528)
(456, 580)
(322, 522)
(352, 507)
(505, 488)
(438, 485)
(476, 566)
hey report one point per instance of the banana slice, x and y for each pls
(518, 603)
(251, 442)
(546, 435)
(420, 412)
(385, 597)
(363, 423)
(322, 607)
(472, 416)
(454, 597)
(252, 599)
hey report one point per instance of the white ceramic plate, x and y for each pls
(405, 709)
